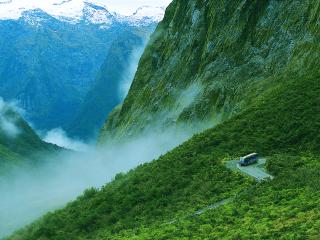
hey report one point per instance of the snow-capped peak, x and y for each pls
(93, 11)
(154, 13)
(13, 9)
(5, 1)
(97, 14)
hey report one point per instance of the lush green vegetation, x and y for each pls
(224, 48)
(265, 74)
(282, 123)
(153, 192)
(281, 209)
(20, 149)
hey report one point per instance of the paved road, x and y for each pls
(213, 206)
(203, 210)
(256, 171)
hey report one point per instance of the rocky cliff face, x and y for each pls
(106, 92)
(206, 57)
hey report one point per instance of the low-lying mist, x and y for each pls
(129, 74)
(8, 121)
(27, 194)
(60, 138)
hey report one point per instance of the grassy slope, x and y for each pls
(286, 208)
(23, 147)
(281, 123)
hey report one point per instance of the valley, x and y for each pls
(215, 80)
(51, 65)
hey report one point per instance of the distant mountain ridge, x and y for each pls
(44, 57)
(86, 10)
(106, 93)
(96, 14)
(148, 13)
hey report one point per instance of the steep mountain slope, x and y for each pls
(43, 59)
(105, 94)
(282, 124)
(204, 58)
(279, 118)
(18, 142)
(49, 64)
(72, 9)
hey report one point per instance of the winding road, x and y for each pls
(256, 171)
(203, 210)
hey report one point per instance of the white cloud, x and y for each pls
(60, 138)
(26, 194)
(129, 73)
(72, 8)
(8, 122)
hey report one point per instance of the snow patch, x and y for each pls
(97, 15)
(155, 13)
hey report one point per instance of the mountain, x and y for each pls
(19, 144)
(73, 9)
(147, 14)
(201, 79)
(143, 203)
(247, 68)
(117, 70)
(46, 56)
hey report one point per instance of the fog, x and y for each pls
(129, 74)
(60, 138)
(8, 121)
(27, 194)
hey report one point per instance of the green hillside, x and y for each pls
(20, 148)
(260, 81)
(206, 56)
(282, 124)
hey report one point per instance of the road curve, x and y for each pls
(256, 171)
